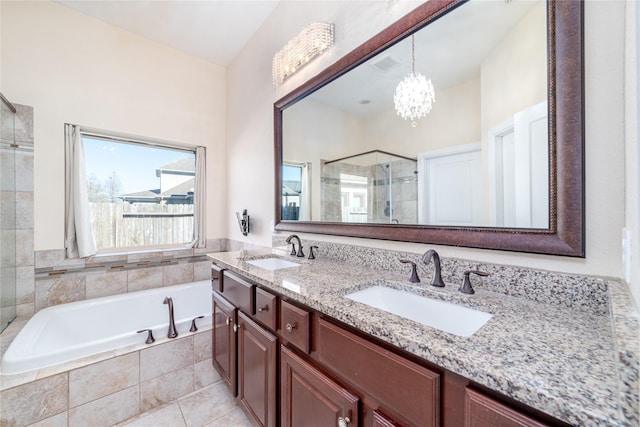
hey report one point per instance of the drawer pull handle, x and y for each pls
(343, 422)
(291, 326)
(261, 309)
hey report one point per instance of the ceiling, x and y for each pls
(214, 30)
(449, 51)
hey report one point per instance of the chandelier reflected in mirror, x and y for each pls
(414, 96)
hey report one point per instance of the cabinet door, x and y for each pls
(404, 389)
(224, 341)
(483, 411)
(380, 420)
(311, 399)
(257, 358)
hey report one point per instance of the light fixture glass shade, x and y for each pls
(414, 97)
(309, 43)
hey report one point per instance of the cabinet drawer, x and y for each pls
(295, 326)
(266, 311)
(216, 278)
(406, 389)
(238, 291)
(484, 411)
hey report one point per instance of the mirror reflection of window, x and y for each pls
(291, 191)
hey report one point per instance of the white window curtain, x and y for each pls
(305, 193)
(79, 240)
(200, 201)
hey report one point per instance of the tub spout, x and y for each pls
(172, 324)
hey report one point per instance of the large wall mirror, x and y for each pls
(496, 163)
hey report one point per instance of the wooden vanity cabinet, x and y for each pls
(408, 392)
(380, 420)
(244, 352)
(266, 309)
(216, 278)
(295, 326)
(278, 356)
(257, 368)
(239, 292)
(484, 411)
(224, 340)
(310, 398)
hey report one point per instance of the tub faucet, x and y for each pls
(172, 324)
(300, 254)
(437, 277)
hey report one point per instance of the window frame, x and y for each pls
(123, 138)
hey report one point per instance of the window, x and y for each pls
(140, 194)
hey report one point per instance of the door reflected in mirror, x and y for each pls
(480, 158)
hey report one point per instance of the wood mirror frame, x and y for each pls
(565, 236)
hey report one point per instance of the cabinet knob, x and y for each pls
(343, 422)
(291, 326)
(228, 321)
(235, 328)
(261, 309)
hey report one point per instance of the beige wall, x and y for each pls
(441, 128)
(632, 133)
(514, 75)
(316, 132)
(250, 128)
(76, 69)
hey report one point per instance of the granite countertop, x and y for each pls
(559, 360)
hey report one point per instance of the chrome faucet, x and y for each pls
(437, 277)
(299, 254)
(172, 324)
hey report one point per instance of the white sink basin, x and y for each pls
(273, 263)
(447, 317)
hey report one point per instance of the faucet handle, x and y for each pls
(311, 254)
(150, 338)
(466, 287)
(194, 328)
(414, 273)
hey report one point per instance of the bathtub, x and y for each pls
(71, 331)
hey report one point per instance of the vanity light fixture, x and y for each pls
(313, 40)
(414, 95)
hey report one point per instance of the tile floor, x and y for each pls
(212, 406)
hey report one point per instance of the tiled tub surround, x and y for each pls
(570, 350)
(59, 280)
(71, 331)
(109, 387)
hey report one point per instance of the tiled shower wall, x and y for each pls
(24, 203)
